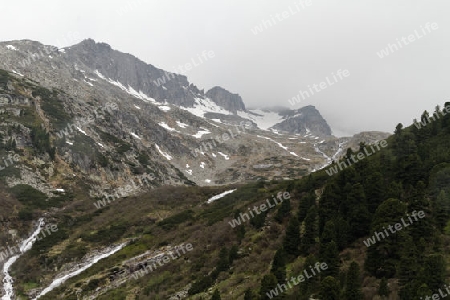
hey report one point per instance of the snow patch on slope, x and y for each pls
(217, 197)
(181, 124)
(82, 131)
(224, 155)
(263, 119)
(203, 106)
(167, 156)
(135, 135)
(164, 125)
(164, 107)
(201, 133)
(129, 89)
(15, 72)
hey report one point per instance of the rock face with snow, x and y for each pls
(304, 120)
(225, 99)
(161, 122)
(134, 73)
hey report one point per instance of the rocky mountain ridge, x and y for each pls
(93, 144)
(155, 128)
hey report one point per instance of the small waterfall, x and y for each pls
(23, 247)
(58, 281)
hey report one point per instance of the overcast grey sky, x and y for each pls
(301, 47)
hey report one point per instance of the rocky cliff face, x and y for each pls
(225, 99)
(171, 129)
(303, 121)
(134, 73)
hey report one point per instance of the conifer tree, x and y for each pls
(329, 205)
(216, 295)
(279, 266)
(423, 291)
(292, 239)
(354, 209)
(240, 233)
(353, 288)
(418, 202)
(308, 240)
(308, 287)
(329, 233)
(331, 258)
(446, 118)
(283, 211)
(395, 190)
(434, 272)
(408, 268)
(329, 289)
(305, 204)
(342, 232)
(223, 264)
(442, 210)
(268, 283)
(437, 124)
(248, 295)
(259, 220)
(398, 129)
(233, 254)
(383, 256)
(383, 289)
(374, 189)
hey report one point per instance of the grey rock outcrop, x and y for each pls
(229, 101)
(132, 72)
(304, 120)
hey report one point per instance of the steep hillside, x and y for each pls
(377, 226)
(114, 102)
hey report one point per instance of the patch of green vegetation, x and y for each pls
(102, 160)
(219, 210)
(63, 197)
(31, 198)
(170, 222)
(30, 285)
(106, 235)
(27, 117)
(124, 147)
(154, 284)
(48, 239)
(121, 146)
(72, 251)
(118, 294)
(25, 215)
(53, 107)
(41, 141)
(143, 159)
(10, 171)
(28, 195)
(109, 138)
(4, 78)
(447, 228)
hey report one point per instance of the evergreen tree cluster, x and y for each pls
(411, 174)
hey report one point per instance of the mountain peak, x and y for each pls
(304, 120)
(92, 45)
(229, 101)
